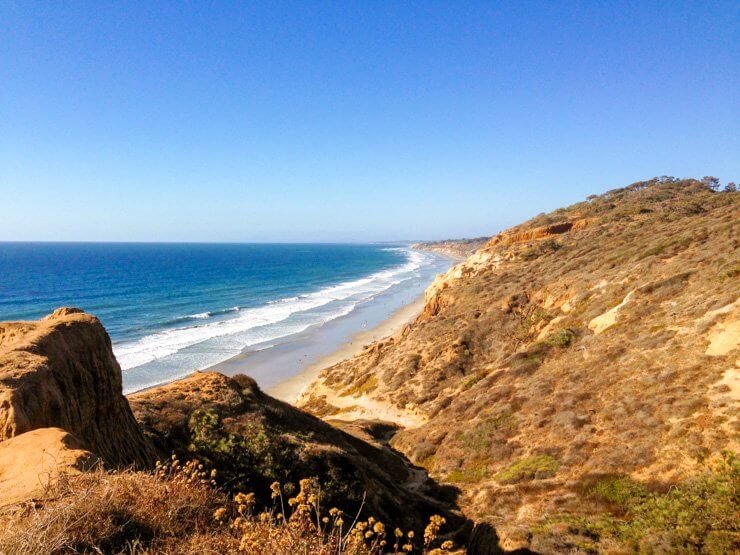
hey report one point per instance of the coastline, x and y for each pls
(290, 389)
(285, 367)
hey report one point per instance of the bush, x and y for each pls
(541, 248)
(560, 338)
(697, 516)
(529, 468)
(258, 456)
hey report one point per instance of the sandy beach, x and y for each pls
(284, 366)
(291, 388)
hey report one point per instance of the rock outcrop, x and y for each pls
(31, 462)
(60, 372)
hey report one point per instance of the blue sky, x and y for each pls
(350, 121)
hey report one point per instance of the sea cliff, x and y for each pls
(571, 386)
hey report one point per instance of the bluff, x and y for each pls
(574, 369)
(60, 372)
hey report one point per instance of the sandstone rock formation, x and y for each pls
(60, 372)
(33, 461)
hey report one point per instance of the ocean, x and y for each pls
(172, 308)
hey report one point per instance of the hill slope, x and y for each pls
(78, 473)
(592, 344)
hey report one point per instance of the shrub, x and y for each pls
(696, 516)
(366, 385)
(541, 248)
(258, 455)
(529, 468)
(620, 490)
(560, 338)
(471, 473)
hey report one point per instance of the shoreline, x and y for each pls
(290, 389)
(285, 367)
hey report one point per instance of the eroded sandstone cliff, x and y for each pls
(60, 372)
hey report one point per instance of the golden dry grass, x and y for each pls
(177, 510)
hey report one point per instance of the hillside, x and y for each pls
(586, 350)
(78, 472)
(571, 387)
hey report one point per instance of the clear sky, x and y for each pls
(350, 121)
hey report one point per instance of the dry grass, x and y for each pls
(177, 510)
(123, 512)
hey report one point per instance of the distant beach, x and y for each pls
(285, 368)
(290, 389)
(267, 310)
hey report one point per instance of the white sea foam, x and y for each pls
(200, 316)
(266, 322)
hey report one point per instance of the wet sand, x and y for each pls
(285, 367)
(290, 389)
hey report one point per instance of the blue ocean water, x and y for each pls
(173, 308)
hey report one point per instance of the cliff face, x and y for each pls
(60, 372)
(597, 341)
(32, 461)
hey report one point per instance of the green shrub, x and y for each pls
(696, 516)
(529, 468)
(471, 473)
(255, 456)
(620, 490)
(481, 436)
(560, 338)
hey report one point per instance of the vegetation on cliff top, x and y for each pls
(178, 510)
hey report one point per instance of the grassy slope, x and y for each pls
(525, 405)
(574, 377)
